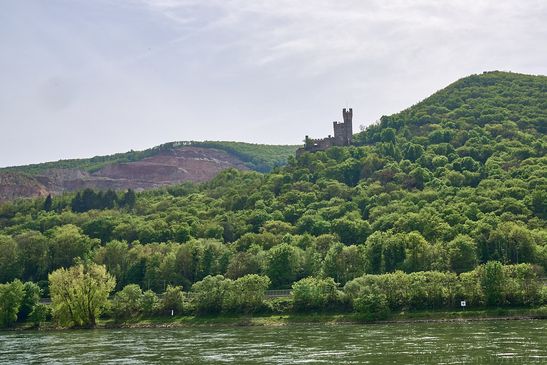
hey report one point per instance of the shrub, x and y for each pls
(314, 294)
(173, 300)
(492, 278)
(209, 294)
(281, 305)
(149, 303)
(246, 294)
(127, 303)
(40, 314)
(11, 297)
(31, 298)
(372, 306)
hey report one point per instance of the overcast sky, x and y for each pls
(80, 78)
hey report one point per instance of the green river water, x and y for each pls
(491, 342)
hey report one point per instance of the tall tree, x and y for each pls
(80, 294)
(129, 199)
(9, 255)
(11, 297)
(283, 265)
(462, 254)
(492, 278)
(48, 203)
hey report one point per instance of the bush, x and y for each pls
(149, 303)
(40, 314)
(492, 278)
(246, 294)
(543, 295)
(523, 285)
(314, 294)
(173, 300)
(11, 298)
(127, 303)
(30, 299)
(372, 306)
(281, 305)
(209, 294)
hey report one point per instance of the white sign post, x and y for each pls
(463, 304)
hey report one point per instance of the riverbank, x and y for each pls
(491, 314)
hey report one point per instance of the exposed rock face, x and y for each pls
(14, 185)
(167, 167)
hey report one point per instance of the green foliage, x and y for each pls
(451, 183)
(372, 306)
(149, 303)
(314, 294)
(31, 299)
(33, 255)
(281, 305)
(127, 303)
(79, 294)
(11, 298)
(344, 263)
(284, 262)
(462, 254)
(511, 243)
(173, 300)
(492, 284)
(67, 244)
(210, 292)
(40, 313)
(257, 156)
(246, 294)
(9, 257)
(492, 278)
(215, 294)
(48, 203)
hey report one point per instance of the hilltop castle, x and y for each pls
(343, 133)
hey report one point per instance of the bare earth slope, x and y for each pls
(165, 168)
(14, 185)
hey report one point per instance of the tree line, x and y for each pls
(80, 295)
(447, 185)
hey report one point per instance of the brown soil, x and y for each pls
(166, 168)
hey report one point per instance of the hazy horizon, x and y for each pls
(82, 79)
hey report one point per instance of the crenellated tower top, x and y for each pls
(343, 135)
(347, 114)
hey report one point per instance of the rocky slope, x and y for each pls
(14, 185)
(166, 167)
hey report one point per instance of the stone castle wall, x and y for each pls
(343, 134)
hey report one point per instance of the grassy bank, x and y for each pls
(335, 318)
(308, 318)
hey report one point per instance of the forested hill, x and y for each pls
(170, 163)
(455, 181)
(493, 100)
(259, 157)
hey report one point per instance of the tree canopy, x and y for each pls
(446, 185)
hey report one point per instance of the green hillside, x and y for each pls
(259, 157)
(407, 218)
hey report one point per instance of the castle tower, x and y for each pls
(348, 124)
(343, 135)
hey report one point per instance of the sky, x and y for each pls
(80, 78)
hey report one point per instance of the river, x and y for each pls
(490, 342)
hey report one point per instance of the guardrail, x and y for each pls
(278, 293)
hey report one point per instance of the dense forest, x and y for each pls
(446, 200)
